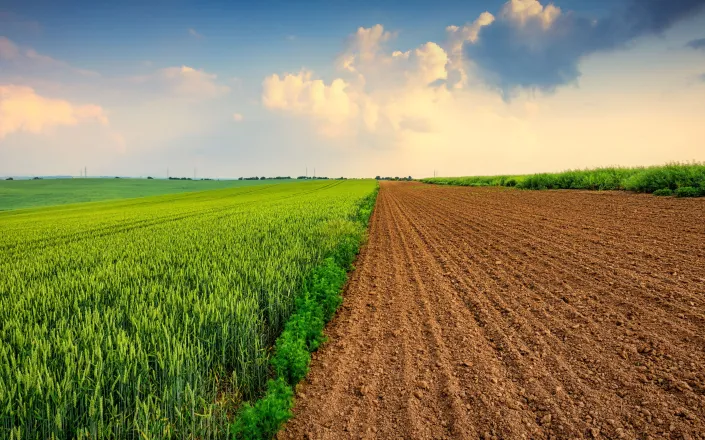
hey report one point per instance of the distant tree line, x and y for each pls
(265, 178)
(406, 179)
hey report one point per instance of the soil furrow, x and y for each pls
(495, 313)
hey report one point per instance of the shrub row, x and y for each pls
(681, 179)
(303, 333)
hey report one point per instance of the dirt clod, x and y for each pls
(546, 420)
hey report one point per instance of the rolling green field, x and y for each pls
(685, 180)
(155, 317)
(17, 194)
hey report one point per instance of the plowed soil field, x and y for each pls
(499, 313)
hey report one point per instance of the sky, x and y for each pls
(350, 88)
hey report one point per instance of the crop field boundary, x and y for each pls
(317, 303)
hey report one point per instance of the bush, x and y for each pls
(663, 192)
(688, 191)
(150, 178)
(9, 178)
(262, 421)
(671, 176)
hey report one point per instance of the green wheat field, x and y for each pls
(154, 317)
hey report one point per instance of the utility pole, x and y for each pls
(167, 173)
(85, 173)
(307, 171)
(194, 173)
(314, 172)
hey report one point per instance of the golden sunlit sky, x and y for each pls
(353, 89)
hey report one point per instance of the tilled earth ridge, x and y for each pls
(498, 313)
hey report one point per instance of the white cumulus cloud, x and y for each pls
(331, 104)
(22, 109)
(522, 11)
(378, 92)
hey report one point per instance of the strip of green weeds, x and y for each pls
(682, 179)
(303, 333)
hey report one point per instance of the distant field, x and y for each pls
(152, 318)
(683, 180)
(16, 194)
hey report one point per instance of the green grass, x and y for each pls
(17, 194)
(639, 179)
(155, 317)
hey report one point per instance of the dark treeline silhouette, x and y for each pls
(394, 178)
(265, 178)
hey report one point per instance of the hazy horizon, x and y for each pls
(354, 89)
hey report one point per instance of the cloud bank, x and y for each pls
(380, 92)
(450, 99)
(526, 45)
(22, 109)
(530, 45)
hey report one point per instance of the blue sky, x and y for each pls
(353, 88)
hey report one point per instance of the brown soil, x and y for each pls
(497, 313)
